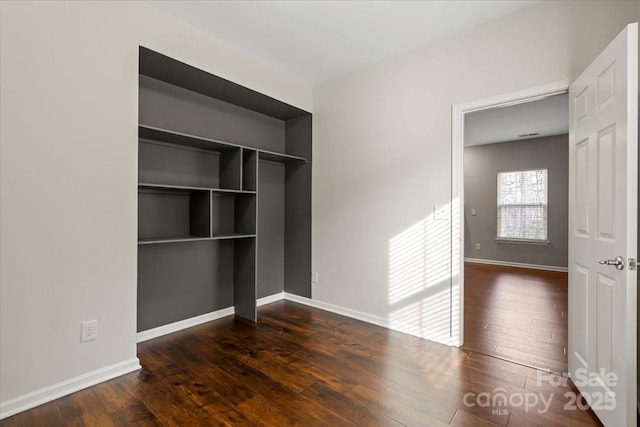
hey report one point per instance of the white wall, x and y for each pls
(68, 145)
(382, 153)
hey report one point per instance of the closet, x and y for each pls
(224, 195)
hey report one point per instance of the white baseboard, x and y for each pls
(203, 318)
(271, 298)
(359, 315)
(183, 324)
(46, 394)
(516, 264)
(347, 312)
(354, 314)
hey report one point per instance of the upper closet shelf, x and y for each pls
(279, 157)
(186, 140)
(231, 236)
(183, 139)
(183, 187)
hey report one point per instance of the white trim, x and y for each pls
(204, 318)
(514, 98)
(457, 182)
(516, 264)
(355, 314)
(347, 312)
(516, 241)
(47, 394)
(183, 324)
(271, 298)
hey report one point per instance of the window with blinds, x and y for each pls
(522, 205)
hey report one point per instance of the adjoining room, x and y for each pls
(516, 218)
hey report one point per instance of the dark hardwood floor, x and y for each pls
(306, 367)
(517, 314)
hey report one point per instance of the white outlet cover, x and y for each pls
(89, 331)
(441, 214)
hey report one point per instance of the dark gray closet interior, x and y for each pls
(224, 194)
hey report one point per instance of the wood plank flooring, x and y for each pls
(517, 314)
(301, 366)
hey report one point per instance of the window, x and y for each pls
(522, 205)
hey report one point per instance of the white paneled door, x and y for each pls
(603, 229)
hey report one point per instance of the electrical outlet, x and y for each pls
(89, 330)
(477, 246)
(441, 214)
(314, 277)
(474, 212)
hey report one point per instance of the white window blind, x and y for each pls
(522, 205)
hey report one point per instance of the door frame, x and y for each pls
(458, 112)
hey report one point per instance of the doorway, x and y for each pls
(516, 182)
(459, 113)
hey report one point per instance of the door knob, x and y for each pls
(618, 262)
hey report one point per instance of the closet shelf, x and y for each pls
(172, 240)
(185, 140)
(194, 238)
(183, 187)
(279, 157)
(232, 236)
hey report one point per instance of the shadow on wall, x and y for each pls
(421, 295)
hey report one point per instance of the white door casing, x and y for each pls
(603, 221)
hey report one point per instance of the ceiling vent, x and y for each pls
(528, 135)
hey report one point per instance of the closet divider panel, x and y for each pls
(271, 195)
(244, 290)
(297, 240)
(249, 169)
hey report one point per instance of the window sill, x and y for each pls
(521, 241)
